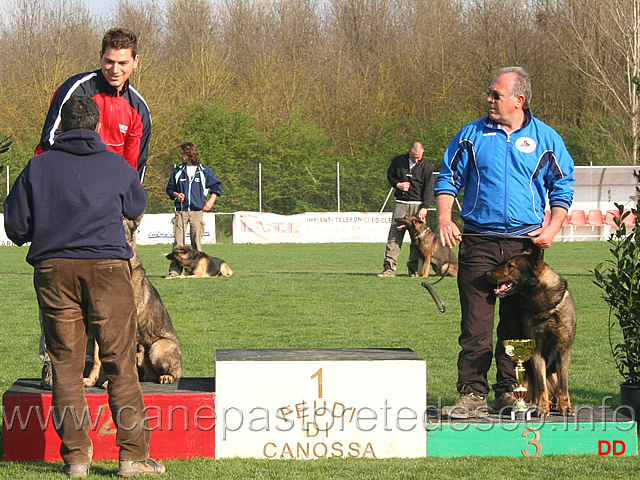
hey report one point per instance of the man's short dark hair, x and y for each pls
(119, 39)
(79, 111)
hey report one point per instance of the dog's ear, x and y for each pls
(536, 255)
(138, 220)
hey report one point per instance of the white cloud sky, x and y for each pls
(100, 7)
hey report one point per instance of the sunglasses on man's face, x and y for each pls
(493, 95)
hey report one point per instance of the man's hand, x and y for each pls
(209, 205)
(449, 233)
(543, 237)
(404, 186)
(447, 228)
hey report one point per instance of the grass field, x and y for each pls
(327, 296)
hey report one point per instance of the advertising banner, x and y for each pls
(158, 228)
(311, 227)
(154, 229)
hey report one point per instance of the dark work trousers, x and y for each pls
(73, 293)
(478, 255)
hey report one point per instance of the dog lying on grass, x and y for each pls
(198, 264)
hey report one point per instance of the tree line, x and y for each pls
(300, 85)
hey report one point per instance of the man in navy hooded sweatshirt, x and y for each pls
(69, 203)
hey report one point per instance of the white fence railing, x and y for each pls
(597, 189)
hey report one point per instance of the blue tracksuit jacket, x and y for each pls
(506, 177)
(196, 191)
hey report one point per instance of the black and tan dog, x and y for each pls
(198, 264)
(549, 318)
(159, 349)
(431, 251)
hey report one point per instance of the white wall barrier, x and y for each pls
(311, 227)
(158, 228)
(154, 229)
(4, 240)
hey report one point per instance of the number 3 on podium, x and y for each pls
(534, 441)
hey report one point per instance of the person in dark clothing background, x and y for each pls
(412, 179)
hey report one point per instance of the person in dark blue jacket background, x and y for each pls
(189, 186)
(507, 164)
(69, 203)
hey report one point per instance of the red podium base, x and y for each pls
(181, 418)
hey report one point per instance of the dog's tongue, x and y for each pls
(503, 289)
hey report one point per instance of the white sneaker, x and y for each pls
(388, 273)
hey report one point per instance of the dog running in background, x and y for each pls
(431, 251)
(159, 348)
(549, 318)
(198, 264)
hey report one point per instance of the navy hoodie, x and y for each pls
(69, 201)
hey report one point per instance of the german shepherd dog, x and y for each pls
(198, 264)
(159, 349)
(549, 318)
(431, 251)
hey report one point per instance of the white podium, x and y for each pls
(295, 403)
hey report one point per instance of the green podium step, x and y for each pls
(592, 431)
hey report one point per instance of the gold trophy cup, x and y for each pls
(520, 350)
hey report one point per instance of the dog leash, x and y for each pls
(501, 236)
(432, 291)
(429, 286)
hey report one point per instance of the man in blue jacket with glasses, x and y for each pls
(507, 164)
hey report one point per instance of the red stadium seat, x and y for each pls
(610, 216)
(595, 218)
(578, 218)
(629, 220)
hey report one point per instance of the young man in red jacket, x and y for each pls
(125, 122)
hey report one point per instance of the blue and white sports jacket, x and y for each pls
(196, 190)
(506, 176)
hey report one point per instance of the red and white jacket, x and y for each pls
(124, 117)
